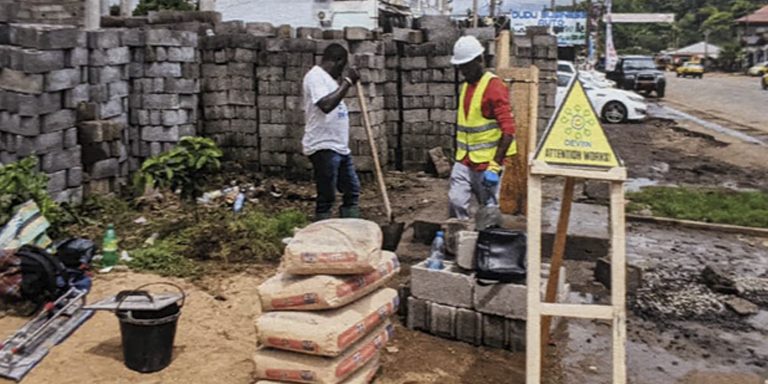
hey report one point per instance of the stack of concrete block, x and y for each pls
(538, 47)
(40, 86)
(68, 12)
(105, 156)
(452, 304)
(229, 90)
(368, 56)
(280, 72)
(429, 99)
(164, 100)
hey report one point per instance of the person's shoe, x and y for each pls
(322, 216)
(350, 212)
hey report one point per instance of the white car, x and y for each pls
(612, 105)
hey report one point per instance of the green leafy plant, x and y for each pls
(20, 182)
(258, 236)
(183, 168)
(166, 258)
(145, 6)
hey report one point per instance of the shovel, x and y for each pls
(392, 231)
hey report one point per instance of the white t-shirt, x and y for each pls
(323, 131)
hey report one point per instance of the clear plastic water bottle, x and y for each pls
(437, 252)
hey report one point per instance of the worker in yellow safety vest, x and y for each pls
(485, 131)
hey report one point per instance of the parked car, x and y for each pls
(764, 82)
(613, 105)
(597, 78)
(758, 69)
(566, 67)
(639, 73)
(690, 69)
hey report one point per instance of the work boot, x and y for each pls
(350, 212)
(322, 216)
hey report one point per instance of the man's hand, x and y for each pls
(353, 75)
(491, 174)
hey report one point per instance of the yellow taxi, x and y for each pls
(690, 69)
(764, 81)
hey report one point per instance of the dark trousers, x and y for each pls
(334, 171)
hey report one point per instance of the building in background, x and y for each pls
(753, 30)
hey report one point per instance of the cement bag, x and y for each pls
(284, 292)
(327, 333)
(364, 376)
(273, 364)
(334, 247)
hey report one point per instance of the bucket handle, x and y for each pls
(138, 291)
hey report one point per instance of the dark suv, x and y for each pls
(638, 73)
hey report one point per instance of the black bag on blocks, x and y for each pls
(501, 255)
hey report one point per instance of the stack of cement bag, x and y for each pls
(326, 314)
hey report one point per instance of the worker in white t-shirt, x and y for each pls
(326, 134)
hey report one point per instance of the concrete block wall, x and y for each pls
(451, 303)
(42, 70)
(70, 12)
(539, 48)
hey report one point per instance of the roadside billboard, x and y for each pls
(570, 27)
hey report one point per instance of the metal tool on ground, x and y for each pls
(23, 350)
(147, 325)
(392, 230)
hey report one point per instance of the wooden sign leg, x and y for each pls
(618, 283)
(533, 326)
(558, 251)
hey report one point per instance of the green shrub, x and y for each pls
(21, 182)
(182, 168)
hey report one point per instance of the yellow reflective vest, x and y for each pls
(475, 134)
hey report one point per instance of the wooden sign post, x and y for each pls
(575, 147)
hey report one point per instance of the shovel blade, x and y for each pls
(392, 232)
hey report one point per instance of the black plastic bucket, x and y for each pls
(148, 336)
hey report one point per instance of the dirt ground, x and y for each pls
(216, 334)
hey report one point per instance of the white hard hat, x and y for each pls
(466, 49)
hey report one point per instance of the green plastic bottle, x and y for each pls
(109, 247)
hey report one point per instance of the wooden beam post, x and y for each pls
(502, 50)
(558, 251)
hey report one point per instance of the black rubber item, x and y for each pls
(148, 336)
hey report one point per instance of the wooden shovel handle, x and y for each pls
(374, 152)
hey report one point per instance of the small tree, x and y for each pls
(145, 6)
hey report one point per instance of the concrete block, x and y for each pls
(409, 63)
(634, 275)
(74, 177)
(469, 326)
(47, 37)
(105, 169)
(70, 137)
(56, 121)
(33, 61)
(160, 134)
(49, 142)
(442, 320)
(449, 286)
(112, 56)
(21, 82)
(175, 117)
(465, 249)
(357, 34)
(118, 89)
(182, 54)
(56, 161)
(62, 79)
(163, 70)
(165, 101)
(57, 181)
(494, 331)
(105, 75)
(515, 335)
(76, 95)
(418, 314)
(588, 235)
(510, 300)
(112, 108)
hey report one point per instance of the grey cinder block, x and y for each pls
(450, 286)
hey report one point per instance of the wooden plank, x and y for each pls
(558, 250)
(502, 50)
(618, 283)
(614, 174)
(523, 96)
(581, 311)
(727, 228)
(533, 324)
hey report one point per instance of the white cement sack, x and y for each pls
(466, 242)
(327, 333)
(364, 376)
(334, 247)
(273, 364)
(285, 292)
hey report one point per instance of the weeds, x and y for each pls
(708, 205)
(166, 258)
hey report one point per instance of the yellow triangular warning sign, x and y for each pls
(575, 136)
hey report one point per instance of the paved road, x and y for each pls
(735, 98)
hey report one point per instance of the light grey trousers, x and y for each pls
(464, 183)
